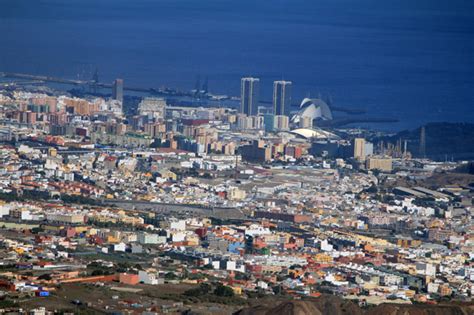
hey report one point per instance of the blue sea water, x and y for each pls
(404, 59)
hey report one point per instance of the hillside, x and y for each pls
(328, 304)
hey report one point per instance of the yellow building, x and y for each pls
(323, 258)
(132, 220)
(359, 149)
(167, 174)
(235, 193)
(237, 290)
(379, 163)
(112, 239)
(192, 240)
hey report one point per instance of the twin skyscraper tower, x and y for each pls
(250, 92)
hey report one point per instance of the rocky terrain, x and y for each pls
(332, 305)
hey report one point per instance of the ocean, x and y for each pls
(402, 59)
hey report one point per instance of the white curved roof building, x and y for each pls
(314, 133)
(314, 108)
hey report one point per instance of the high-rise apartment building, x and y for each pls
(117, 90)
(306, 122)
(359, 149)
(249, 95)
(257, 151)
(250, 122)
(269, 122)
(281, 97)
(282, 122)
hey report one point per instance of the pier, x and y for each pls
(93, 84)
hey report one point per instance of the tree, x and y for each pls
(372, 189)
(37, 230)
(278, 289)
(222, 290)
(97, 272)
(45, 276)
(207, 176)
(8, 304)
(138, 267)
(242, 276)
(156, 143)
(170, 276)
(203, 289)
(207, 267)
(195, 276)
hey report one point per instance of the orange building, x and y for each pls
(128, 278)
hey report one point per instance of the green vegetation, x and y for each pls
(171, 276)
(99, 270)
(7, 267)
(26, 195)
(205, 293)
(8, 304)
(37, 230)
(79, 200)
(222, 290)
(38, 195)
(203, 289)
(278, 289)
(45, 276)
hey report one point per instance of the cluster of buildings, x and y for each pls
(185, 194)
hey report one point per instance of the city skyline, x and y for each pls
(402, 65)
